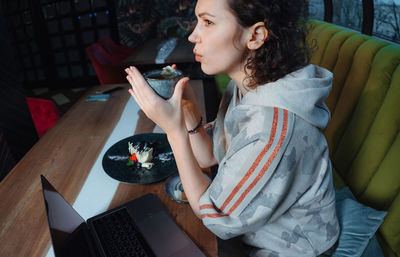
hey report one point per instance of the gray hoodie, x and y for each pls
(274, 182)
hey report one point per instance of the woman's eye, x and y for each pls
(208, 22)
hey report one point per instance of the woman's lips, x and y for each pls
(198, 58)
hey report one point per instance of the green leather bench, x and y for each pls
(363, 133)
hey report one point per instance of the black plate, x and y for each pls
(115, 159)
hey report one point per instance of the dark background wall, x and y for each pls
(43, 45)
(17, 132)
(50, 37)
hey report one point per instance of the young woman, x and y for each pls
(273, 189)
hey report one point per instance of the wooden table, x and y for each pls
(65, 156)
(148, 52)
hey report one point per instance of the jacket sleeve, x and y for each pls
(242, 196)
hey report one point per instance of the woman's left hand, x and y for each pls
(168, 114)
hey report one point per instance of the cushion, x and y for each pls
(373, 249)
(44, 114)
(358, 226)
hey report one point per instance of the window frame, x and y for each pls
(367, 19)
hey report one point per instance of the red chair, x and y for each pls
(109, 68)
(112, 48)
(44, 114)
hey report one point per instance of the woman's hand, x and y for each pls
(168, 114)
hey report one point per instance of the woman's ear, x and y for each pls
(258, 34)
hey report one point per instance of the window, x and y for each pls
(348, 13)
(387, 19)
(316, 9)
(380, 18)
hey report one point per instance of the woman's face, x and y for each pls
(219, 40)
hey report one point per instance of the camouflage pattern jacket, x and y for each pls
(274, 182)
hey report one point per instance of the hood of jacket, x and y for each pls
(302, 92)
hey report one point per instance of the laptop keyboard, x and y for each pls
(120, 237)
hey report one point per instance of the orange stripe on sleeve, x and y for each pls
(255, 163)
(266, 166)
(207, 206)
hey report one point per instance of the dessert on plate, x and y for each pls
(141, 154)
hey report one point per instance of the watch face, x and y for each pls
(119, 164)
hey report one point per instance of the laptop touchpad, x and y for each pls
(163, 234)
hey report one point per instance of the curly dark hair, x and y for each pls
(285, 49)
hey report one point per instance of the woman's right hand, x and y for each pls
(168, 114)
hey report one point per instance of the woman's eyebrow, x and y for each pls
(205, 13)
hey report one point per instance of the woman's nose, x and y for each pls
(193, 37)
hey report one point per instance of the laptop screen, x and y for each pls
(67, 227)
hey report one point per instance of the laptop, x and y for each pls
(141, 227)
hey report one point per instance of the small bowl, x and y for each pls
(163, 86)
(174, 189)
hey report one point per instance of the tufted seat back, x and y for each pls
(363, 134)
